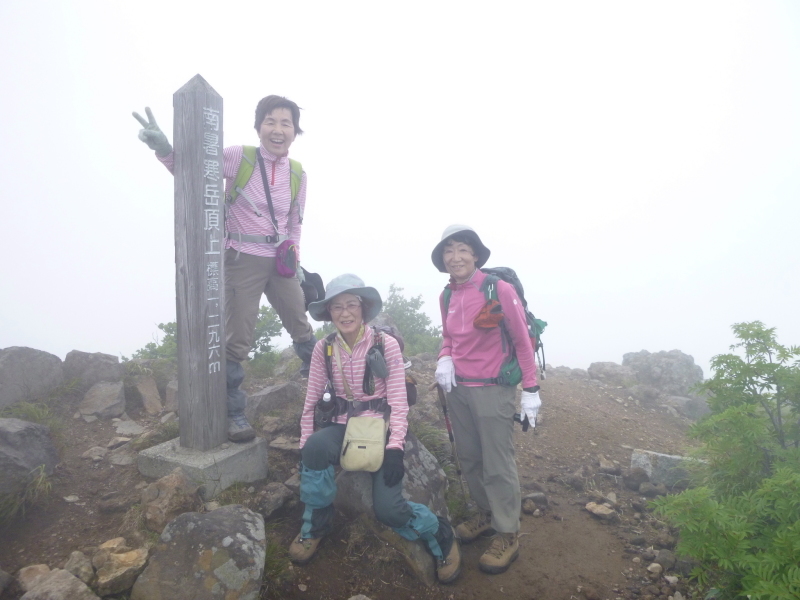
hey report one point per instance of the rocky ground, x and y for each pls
(566, 552)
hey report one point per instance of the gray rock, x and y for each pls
(651, 490)
(579, 374)
(80, 566)
(272, 398)
(147, 392)
(668, 469)
(645, 394)
(293, 483)
(91, 368)
(122, 457)
(104, 400)
(128, 427)
(28, 374)
(95, 453)
(691, 408)
(24, 447)
(538, 498)
(287, 444)
(171, 404)
(635, 478)
(612, 374)
(424, 482)
(666, 559)
(602, 512)
(608, 466)
(59, 585)
(673, 372)
(5, 579)
(273, 497)
(206, 557)
(165, 499)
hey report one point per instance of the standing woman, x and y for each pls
(350, 306)
(482, 408)
(261, 217)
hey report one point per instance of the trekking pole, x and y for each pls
(443, 402)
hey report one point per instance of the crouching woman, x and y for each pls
(357, 387)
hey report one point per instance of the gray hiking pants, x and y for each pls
(483, 426)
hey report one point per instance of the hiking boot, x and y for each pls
(503, 551)
(303, 550)
(239, 429)
(449, 569)
(478, 525)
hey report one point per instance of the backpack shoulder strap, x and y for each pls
(246, 167)
(296, 177)
(328, 352)
(448, 293)
(489, 286)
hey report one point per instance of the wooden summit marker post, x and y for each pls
(199, 265)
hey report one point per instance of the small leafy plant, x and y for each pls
(742, 523)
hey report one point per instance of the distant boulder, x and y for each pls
(92, 367)
(611, 373)
(28, 374)
(673, 373)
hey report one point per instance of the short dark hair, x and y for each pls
(270, 103)
(463, 239)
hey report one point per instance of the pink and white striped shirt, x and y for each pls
(240, 215)
(393, 388)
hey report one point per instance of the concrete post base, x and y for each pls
(214, 469)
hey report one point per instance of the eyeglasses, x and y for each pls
(337, 309)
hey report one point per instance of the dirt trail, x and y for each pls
(561, 552)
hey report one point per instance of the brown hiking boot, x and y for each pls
(478, 525)
(449, 569)
(503, 551)
(303, 550)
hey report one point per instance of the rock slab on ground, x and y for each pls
(28, 374)
(424, 482)
(211, 556)
(167, 498)
(104, 400)
(59, 584)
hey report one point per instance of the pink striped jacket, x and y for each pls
(393, 388)
(241, 218)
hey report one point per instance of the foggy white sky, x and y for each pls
(636, 162)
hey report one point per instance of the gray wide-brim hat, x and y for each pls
(481, 251)
(371, 302)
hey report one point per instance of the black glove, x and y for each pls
(393, 469)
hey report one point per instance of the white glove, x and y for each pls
(152, 135)
(446, 373)
(530, 406)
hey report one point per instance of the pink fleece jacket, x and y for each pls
(478, 353)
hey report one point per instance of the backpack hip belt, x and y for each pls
(257, 239)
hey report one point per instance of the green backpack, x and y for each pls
(246, 168)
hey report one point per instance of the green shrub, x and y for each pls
(742, 523)
(37, 491)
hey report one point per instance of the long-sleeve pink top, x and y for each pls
(354, 363)
(241, 218)
(478, 353)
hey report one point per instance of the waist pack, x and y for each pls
(364, 444)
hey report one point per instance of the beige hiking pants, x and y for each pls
(246, 278)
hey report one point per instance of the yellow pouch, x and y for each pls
(364, 443)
